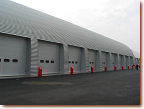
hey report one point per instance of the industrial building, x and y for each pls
(29, 38)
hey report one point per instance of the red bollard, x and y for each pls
(92, 69)
(115, 68)
(105, 68)
(71, 70)
(122, 68)
(128, 67)
(39, 72)
(133, 66)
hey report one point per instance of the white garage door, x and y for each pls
(127, 61)
(131, 61)
(92, 59)
(74, 58)
(12, 55)
(49, 57)
(114, 59)
(104, 59)
(121, 60)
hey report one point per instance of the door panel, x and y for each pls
(49, 57)
(14, 55)
(92, 59)
(74, 58)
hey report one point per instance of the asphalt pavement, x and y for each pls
(100, 88)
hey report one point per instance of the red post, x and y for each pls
(71, 70)
(128, 67)
(92, 69)
(122, 68)
(115, 68)
(105, 68)
(39, 72)
(133, 66)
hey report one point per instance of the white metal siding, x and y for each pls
(26, 22)
(22, 21)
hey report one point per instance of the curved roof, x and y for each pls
(22, 21)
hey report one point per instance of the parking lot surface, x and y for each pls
(100, 88)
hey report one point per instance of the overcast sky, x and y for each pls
(116, 19)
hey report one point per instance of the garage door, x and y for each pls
(92, 59)
(127, 61)
(104, 59)
(121, 60)
(49, 54)
(12, 55)
(114, 59)
(74, 58)
(131, 61)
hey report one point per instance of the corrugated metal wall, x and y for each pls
(22, 21)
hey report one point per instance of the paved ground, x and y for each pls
(103, 88)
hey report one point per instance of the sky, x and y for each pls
(116, 19)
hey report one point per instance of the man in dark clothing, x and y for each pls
(137, 66)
